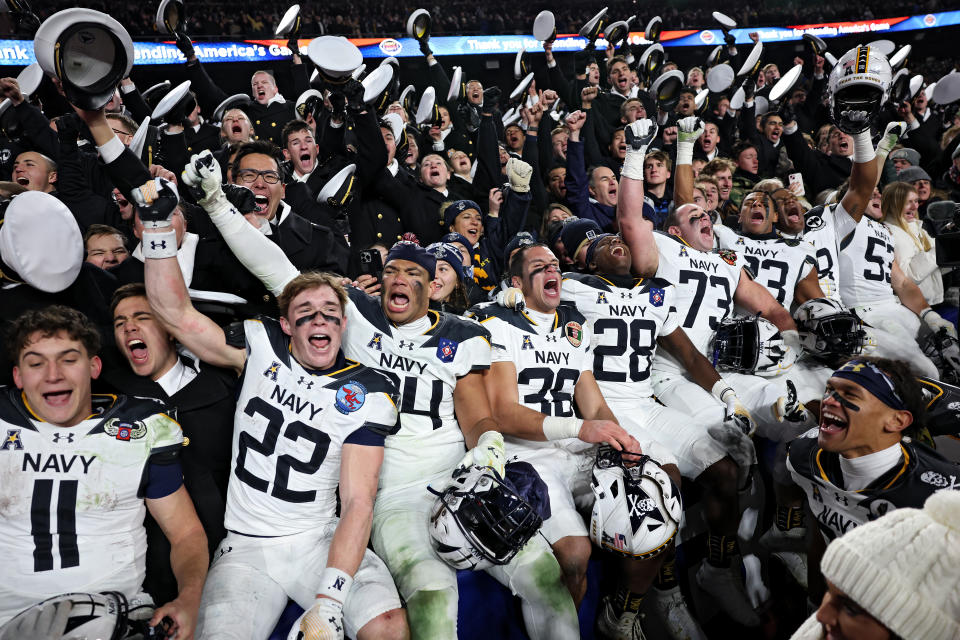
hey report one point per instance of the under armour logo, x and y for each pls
(334, 623)
(304, 381)
(626, 294)
(158, 245)
(550, 338)
(405, 344)
(227, 550)
(57, 436)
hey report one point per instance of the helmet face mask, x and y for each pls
(480, 520)
(637, 508)
(829, 331)
(936, 345)
(752, 346)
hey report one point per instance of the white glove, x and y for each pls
(511, 298)
(791, 340)
(688, 130)
(890, 137)
(489, 452)
(640, 134)
(324, 621)
(203, 173)
(48, 622)
(789, 408)
(735, 413)
(757, 591)
(936, 322)
(519, 173)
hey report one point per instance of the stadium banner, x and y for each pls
(20, 52)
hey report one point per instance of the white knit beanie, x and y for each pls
(904, 568)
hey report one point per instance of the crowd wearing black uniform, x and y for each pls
(338, 166)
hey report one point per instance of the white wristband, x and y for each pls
(561, 428)
(863, 148)
(335, 584)
(721, 389)
(790, 129)
(633, 164)
(160, 244)
(684, 152)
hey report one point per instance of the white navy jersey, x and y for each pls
(426, 368)
(289, 430)
(920, 472)
(777, 263)
(866, 260)
(71, 515)
(625, 323)
(549, 358)
(705, 285)
(819, 233)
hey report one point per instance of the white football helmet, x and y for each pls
(829, 330)
(479, 520)
(751, 345)
(858, 86)
(103, 616)
(637, 508)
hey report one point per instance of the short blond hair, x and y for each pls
(307, 281)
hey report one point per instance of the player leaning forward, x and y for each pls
(437, 360)
(307, 421)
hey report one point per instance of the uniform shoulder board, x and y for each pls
(453, 327)
(801, 453)
(727, 255)
(790, 242)
(484, 312)
(814, 219)
(235, 335)
(369, 307)
(588, 279)
(659, 283)
(567, 312)
(373, 381)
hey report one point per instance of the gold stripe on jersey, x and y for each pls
(903, 469)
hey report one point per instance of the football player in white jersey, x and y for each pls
(284, 538)
(708, 283)
(78, 473)
(632, 316)
(541, 372)
(440, 359)
(443, 409)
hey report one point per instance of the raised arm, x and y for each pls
(263, 258)
(636, 230)
(688, 130)
(156, 204)
(867, 163)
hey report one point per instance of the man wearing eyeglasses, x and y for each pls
(309, 246)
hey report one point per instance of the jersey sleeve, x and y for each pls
(499, 340)
(669, 249)
(473, 354)
(672, 320)
(843, 222)
(379, 413)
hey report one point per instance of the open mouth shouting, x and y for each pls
(831, 422)
(262, 204)
(398, 299)
(551, 286)
(139, 353)
(319, 341)
(306, 161)
(23, 181)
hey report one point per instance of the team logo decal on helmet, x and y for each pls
(637, 508)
